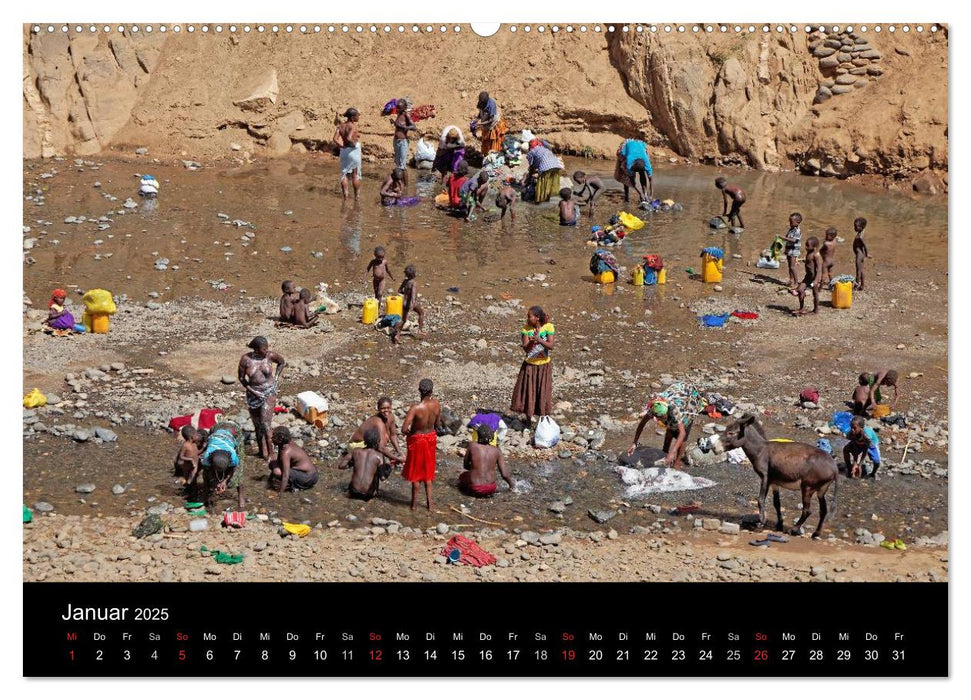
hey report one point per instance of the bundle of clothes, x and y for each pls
(842, 279)
(660, 205)
(608, 235)
(691, 401)
(418, 113)
(603, 261)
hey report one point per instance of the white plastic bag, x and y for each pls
(547, 432)
(426, 151)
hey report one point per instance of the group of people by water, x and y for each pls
(374, 449)
(464, 192)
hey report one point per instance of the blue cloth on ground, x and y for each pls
(841, 421)
(714, 320)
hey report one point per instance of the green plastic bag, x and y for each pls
(28, 514)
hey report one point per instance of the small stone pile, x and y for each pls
(846, 60)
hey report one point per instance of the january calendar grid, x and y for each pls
(605, 349)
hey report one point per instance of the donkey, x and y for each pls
(789, 465)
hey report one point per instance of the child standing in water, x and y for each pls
(568, 208)
(410, 293)
(793, 247)
(735, 193)
(859, 250)
(814, 263)
(828, 253)
(379, 271)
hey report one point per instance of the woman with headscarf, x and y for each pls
(451, 151)
(257, 376)
(633, 161)
(533, 393)
(675, 408)
(348, 140)
(544, 166)
(491, 123)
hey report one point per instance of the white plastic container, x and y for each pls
(198, 524)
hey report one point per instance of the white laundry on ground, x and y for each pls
(642, 482)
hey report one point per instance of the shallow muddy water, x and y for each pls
(297, 204)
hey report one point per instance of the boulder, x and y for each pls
(822, 94)
(928, 183)
(262, 96)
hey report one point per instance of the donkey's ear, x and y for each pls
(747, 420)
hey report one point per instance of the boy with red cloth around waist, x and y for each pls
(419, 426)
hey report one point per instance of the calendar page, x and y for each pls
(526, 349)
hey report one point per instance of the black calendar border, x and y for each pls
(553, 609)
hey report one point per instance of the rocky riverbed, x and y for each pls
(100, 448)
(72, 548)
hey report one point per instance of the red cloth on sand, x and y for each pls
(422, 112)
(420, 462)
(472, 554)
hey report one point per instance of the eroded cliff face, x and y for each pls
(757, 100)
(876, 104)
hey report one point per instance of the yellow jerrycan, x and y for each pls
(370, 312)
(394, 304)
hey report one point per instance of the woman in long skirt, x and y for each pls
(533, 393)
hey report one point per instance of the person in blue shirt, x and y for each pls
(634, 164)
